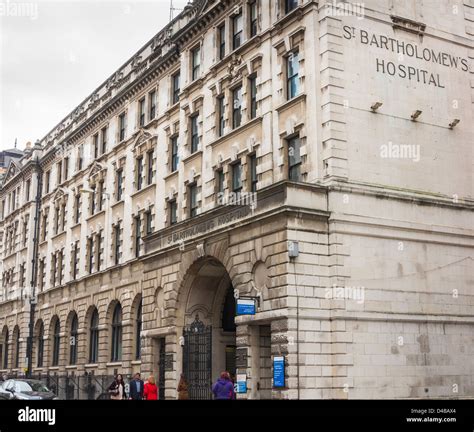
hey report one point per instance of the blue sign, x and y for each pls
(241, 386)
(279, 372)
(246, 307)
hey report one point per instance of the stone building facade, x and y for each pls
(313, 156)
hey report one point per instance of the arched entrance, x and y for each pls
(207, 312)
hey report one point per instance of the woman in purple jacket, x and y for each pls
(224, 388)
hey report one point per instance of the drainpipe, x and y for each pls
(34, 269)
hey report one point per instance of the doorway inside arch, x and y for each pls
(209, 334)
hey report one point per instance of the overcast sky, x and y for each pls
(53, 59)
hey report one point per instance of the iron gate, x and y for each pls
(162, 369)
(197, 360)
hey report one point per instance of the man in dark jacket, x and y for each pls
(224, 387)
(136, 388)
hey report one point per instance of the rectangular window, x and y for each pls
(41, 270)
(60, 267)
(80, 158)
(59, 172)
(293, 69)
(221, 36)
(237, 30)
(253, 17)
(152, 105)
(45, 227)
(90, 250)
(253, 96)
(104, 140)
(139, 173)
(141, 112)
(28, 190)
(294, 159)
(221, 115)
(77, 208)
(75, 267)
(66, 168)
(122, 126)
(174, 154)
(176, 78)
(290, 5)
(63, 218)
(237, 107)
(194, 134)
(95, 145)
(56, 220)
(99, 250)
(149, 173)
(173, 212)
(92, 200)
(193, 201)
(148, 223)
(117, 241)
(100, 196)
(237, 177)
(25, 231)
(53, 269)
(47, 181)
(119, 190)
(220, 186)
(252, 163)
(196, 63)
(138, 235)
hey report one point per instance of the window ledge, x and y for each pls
(114, 364)
(192, 156)
(101, 213)
(237, 51)
(91, 365)
(171, 175)
(143, 190)
(294, 101)
(171, 109)
(117, 203)
(233, 132)
(56, 236)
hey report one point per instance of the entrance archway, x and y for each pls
(207, 313)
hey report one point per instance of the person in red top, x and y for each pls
(151, 390)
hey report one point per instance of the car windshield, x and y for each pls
(30, 386)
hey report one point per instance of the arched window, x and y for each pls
(16, 334)
(117, 334)
(56, 343)
(73, 341)
(5, 352)
(39, 359)
(138, 334)
(94, 338)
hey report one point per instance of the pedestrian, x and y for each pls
(117, 389)
(223, 389)
(183, 392)
(151, 389)
(137, 387)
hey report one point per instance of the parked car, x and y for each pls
(25, 389)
